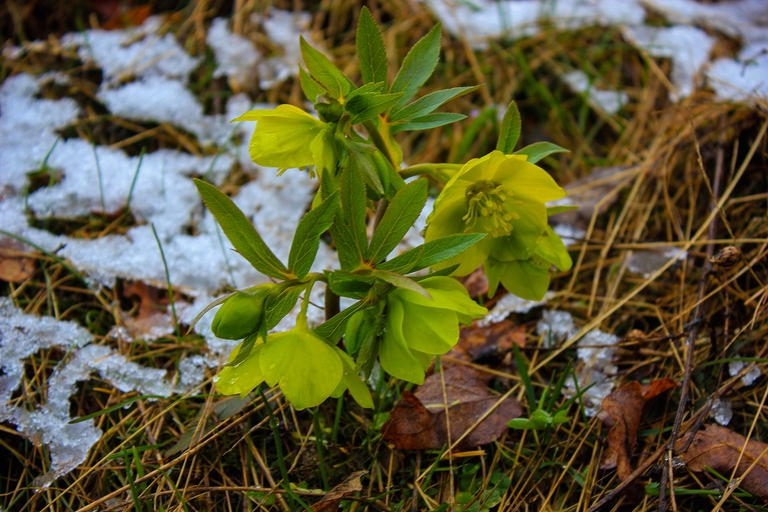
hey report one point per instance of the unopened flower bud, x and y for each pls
(240, 315)
(727, 257)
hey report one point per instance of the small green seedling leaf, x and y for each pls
(428, 121)
(398, 219)
(324, 72)
(429, 103)
(370, 49)
(510, 130)
(241, 232)
(307, 238)
(418, 65)
(522, 368)
(539, 150)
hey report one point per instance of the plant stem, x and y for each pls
(332, 306)
(378, 141)
(434, 170)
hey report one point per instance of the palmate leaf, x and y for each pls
(363, 107)
(510, 130)
(398, 219)
(307, 238)
(353, 207)
(370, 49)
(241, 232)
(417, 66)
(426, 122)
(427, 104)
(539, 150)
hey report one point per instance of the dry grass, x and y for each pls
(681, 160)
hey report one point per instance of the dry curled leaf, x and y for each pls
(622, 412)
(152, 319)
(15, 265)
(719, 448)
(330, 503)
(418, 421)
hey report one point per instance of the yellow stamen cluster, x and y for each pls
(486, 200)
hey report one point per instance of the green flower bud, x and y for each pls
(240, 315)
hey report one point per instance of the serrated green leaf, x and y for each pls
(447, 271)
(402, 212)
(539, 150)
(346, 243)
(363, 107)
(333, 329)
(306, 240)
(377, 88)
(309, 86)
(509, 133)
(428, 121)
(241, 232)
(403, 263)
(429, 103)
(370, 49)
(401, 281)
(277, 307)
(353, 207)
(417, 66)
(244, 350)
(354, 285)
(323, 70)
(358, 157)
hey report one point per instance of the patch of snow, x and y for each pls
(721, 411)
(133, 53)
(645, 263)
(687, 47)
(607, 101)
(509, 304)
(555, 326)
(484, 19)
(742, 80)
(753, 373)
(283, 29)
(570, 234)
(236, 56)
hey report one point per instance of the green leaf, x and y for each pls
(431, 253)
(429, 103)
(539, 150)
(377, 88)
(346, 242)
(278, 306)
(401, 282)
(244, 350)
(428, 121)
(418, 65)
(510, 129)
(398, 219)
(354, 285)
(333, 329)
(309, 85)
(307, 238)
(370, 49)
(358, 158)
(241, 232)
(554, 210)
(363, 107)
(353, 207)
(323, 70)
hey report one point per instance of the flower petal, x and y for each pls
(430, 330)
(243, 378)
(552, 249)
(394, 355)
(307, 368)
(525, 279)
(529, 180)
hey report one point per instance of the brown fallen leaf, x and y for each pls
(418, 421)
(152, 319)
(330, 502)
(488, 345)
(719, 448)
(622, 412)
(15, 265)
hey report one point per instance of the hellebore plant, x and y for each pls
(491, 212)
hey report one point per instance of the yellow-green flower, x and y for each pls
(419, 328)
(504, 196)
(288, 137)
(308, 369)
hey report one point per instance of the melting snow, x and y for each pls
(753, 373)
(721, 411)
(608, 101)
(236, 56)
(645, 263)
(509, 304)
